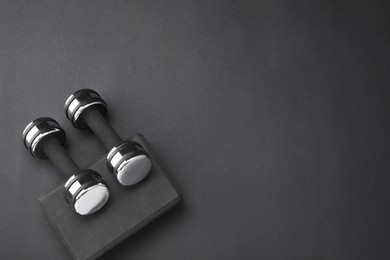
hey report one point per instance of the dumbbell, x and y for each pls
(84, 190)
(127, 161)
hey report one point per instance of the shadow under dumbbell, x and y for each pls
(129, 209)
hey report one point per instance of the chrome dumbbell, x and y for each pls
(85, 190)
(126, 160)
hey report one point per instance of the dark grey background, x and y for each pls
(272, 118)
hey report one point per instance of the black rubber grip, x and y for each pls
(102, 129)
(56, 153)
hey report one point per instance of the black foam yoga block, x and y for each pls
(128, 210)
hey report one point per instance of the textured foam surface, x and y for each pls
(129, 209)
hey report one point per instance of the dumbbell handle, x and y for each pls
(102, 129)
(57, 154)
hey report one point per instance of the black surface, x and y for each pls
(271, 116)
(129, 209)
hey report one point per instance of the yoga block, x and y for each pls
(128, 210)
